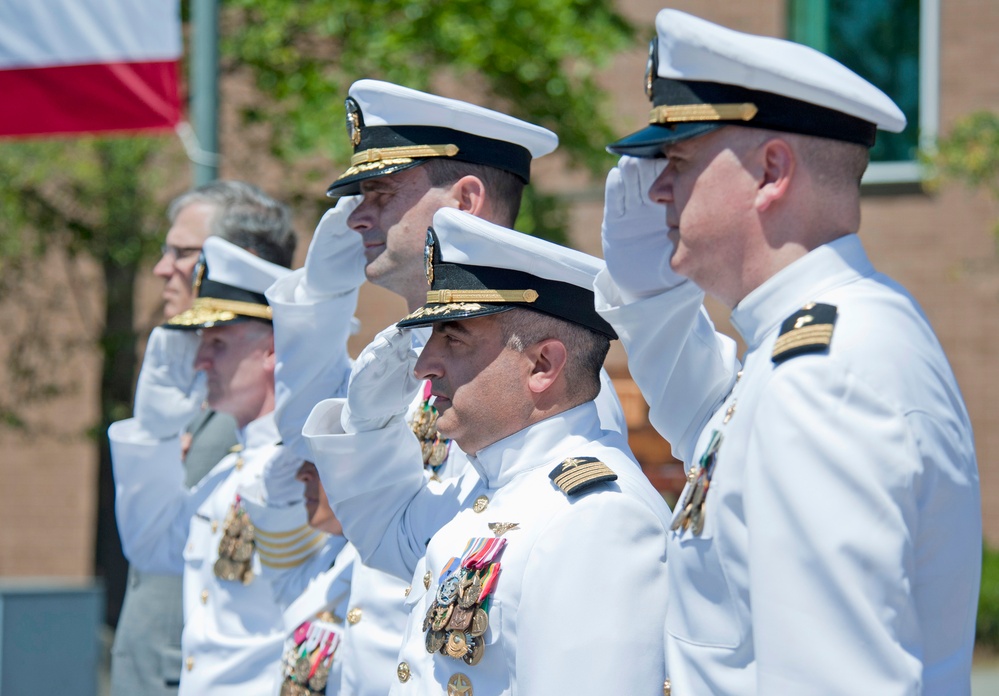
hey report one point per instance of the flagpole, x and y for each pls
(204, 88)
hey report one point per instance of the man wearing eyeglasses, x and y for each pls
(146, 655)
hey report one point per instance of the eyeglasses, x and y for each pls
(179, 253)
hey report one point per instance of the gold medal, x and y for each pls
(457, 644)
(243, 551)
(435, 640)
(224, 569)
(480, 622)
(429, 617)
(438, 453)
(317, 682)
(247, 576)
(474, 655)
(470, 597)
(441, 617)
(288, 688)
(302, 669)
(460, 618)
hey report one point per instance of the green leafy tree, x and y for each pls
(101, 200)
(970, 154)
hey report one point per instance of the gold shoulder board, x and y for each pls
(809, 330)
(578, 474)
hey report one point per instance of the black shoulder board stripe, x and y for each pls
(577, 474)
(808, 330)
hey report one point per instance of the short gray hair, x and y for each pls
(245, 216)
(586, 349)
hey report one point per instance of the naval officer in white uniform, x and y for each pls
(545, 567)
(233, 633)
(829, 537)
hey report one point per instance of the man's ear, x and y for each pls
(270, 357)
(470, 194)
(777, 167)
(548, 359)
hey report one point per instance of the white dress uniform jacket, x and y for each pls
(369, 602)
(841, 541)
(232, 631)
(580, 600)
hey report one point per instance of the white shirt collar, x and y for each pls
(831, 265)
(543, 444)
(259, 433)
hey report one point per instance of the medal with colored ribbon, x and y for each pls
(424, 425)
(307, 661)
(459, 615)
(691, 515)
(236, 546)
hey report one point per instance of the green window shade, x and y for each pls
(879, 40)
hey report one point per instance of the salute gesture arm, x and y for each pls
(170, 391)
(382, 383)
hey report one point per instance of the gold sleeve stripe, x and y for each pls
(274, 536)
(817, 334)
(287, 560)
(583, 472)
(287, 544)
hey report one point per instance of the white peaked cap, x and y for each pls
(393, 128)
(700, 73)
(229, 285)
(476, 268)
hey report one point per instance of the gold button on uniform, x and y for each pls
(426, 580)
(481, 503)
(402, 671)
(215, 526)
(190, 663)
(407, 591)
(204, 596)
(667, 687)
(354, 615)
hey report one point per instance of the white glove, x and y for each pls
(280, 487)
(636, 248)
(382, 384)
(335, 262)
(170, 392)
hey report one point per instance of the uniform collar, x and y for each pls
(259, 433)
(829, 266)
(541, 444)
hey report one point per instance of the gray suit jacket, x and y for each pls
(146, 656)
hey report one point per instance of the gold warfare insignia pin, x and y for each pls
(501, 528)
(809, 330)
(576, 475)
(428, 257)
(354, 124)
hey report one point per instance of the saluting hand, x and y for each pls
(382, 384)
(170, 391)
(636, 248)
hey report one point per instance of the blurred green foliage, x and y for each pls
(970, 154)
(987, 627)
(535, 59)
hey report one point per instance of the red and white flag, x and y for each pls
(86, 66)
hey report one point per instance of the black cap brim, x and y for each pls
(648, 142)
(351, 185)
(454, 311)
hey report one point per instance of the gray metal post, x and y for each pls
(205, 88)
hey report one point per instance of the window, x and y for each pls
(895, 45)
